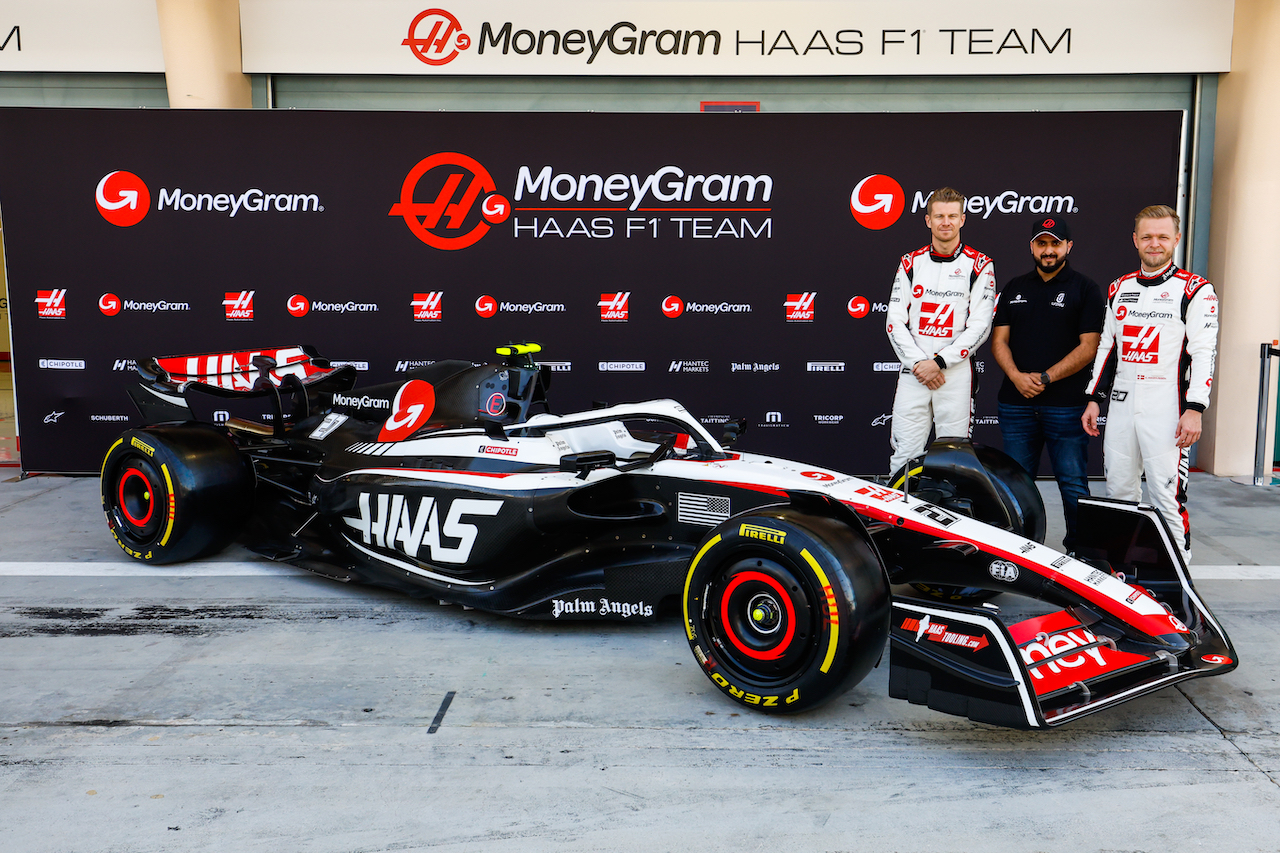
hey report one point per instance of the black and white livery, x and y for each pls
(459, 484)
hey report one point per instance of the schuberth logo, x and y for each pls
(122, 198)
(436, 37)
(877, 202)
(452, 219)
(239, 306)
(426, 307)
(53, 303)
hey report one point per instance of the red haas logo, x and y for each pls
(486, 306)
(426, 306)
(297, 305)
(877, 202)
(613, 306)
(1140, 344)
(451, 220)
(122, 198)
(239, 306)
(53, 303)
(936, 319)
(800, 307)
(109, 304)
(436, 37)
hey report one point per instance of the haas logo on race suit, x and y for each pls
(408, 524)
(1140, 344)
(937, 319)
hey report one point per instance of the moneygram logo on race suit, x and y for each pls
(436, 37)
(459, 201)
(122, 198)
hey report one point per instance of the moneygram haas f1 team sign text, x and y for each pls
(738, 263)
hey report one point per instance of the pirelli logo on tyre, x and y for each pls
(768, 534)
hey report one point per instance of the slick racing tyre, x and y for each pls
(1011, 502)
(175, 492)
(785, 610)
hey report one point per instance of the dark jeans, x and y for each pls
(1026, 431)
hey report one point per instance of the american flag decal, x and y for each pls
(708, 510)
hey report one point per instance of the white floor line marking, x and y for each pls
(216, 569)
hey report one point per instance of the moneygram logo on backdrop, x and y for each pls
(123, 199)
(877, 201)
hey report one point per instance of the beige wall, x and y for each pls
(1246, 183)
(201, 40)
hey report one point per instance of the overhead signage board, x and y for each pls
(81, 36)
(717, 38)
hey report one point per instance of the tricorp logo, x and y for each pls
(122, 198)
(436, 37)
(800, 307)
(1140, 344)
(109, 304)
(239, 306)
(877, 202)
(937, 319)
(614, 308)
(298, 305)
(53, 303)
(486, 306)
(451, 220)
(426, 306)
(673, 306)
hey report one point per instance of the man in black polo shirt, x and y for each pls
(1046, 331)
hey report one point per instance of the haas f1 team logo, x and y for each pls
(937, 319)
(426, 307)
(800, 307)
(1140, 344)
(460, 201)
(436, 37)
(614, 308)
(877, 202)
(53, 303)
(122, 198)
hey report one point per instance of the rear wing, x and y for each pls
(1055, 668)
(296, 375)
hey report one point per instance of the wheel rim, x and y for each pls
(761, 619)
(137, 495)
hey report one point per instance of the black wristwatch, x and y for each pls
(1044, 379)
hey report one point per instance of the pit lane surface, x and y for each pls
(238, 704)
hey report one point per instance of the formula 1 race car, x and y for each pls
(458, 483)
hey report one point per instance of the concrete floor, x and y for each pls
(234, 704)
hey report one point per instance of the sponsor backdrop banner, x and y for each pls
(711, 37)
(738, 263)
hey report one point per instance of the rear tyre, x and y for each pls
(175, 493)
(1017, 507)
(786, 610)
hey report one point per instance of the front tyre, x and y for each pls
(786, 610)
(175, 493)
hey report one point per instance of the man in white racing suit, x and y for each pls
(1157, 353)
(940, 311)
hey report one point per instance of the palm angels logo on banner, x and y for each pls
(122, 198)
(450, 219)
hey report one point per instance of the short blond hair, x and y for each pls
(945, 195)
(1158, 211)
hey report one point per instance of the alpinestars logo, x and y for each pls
(426, 307)
(122, 198)
(877, 202)
(451, 220)
(937, 319)
(239, 306)
(1140, 344)
(436, 37)
(613, 307)
(800, 307)
(53, 304)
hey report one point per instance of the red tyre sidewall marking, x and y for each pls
(151, 501)
(782, 647)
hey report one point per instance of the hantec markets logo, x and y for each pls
(486, 306)
(297, 305)
(426, 307)
(239, 305)
(436, 37)
(614, 308)
(877, 202)
(122, 198)
(53, 304)
(800, 307)
(450, 219)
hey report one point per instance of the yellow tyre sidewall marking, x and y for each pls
(172, 504)
(903, 479)
(833, 615)
(688, 579)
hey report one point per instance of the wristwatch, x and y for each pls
(1044, 379)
